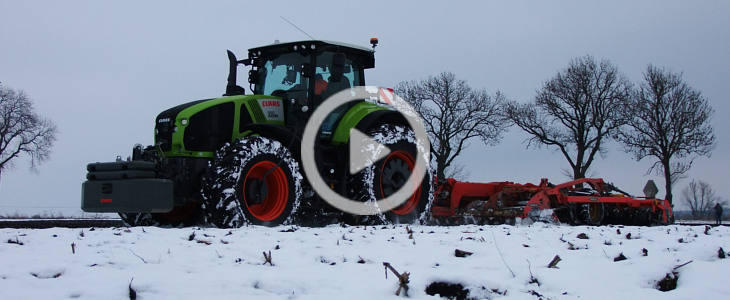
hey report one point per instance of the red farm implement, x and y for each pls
(587, 201)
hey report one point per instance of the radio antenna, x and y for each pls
(297, 27)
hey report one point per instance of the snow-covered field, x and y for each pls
(347, 262)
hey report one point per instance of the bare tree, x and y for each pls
(454, 113)
(670, 122)
(457, 171)
(576, 111)
(700, 198)
(22, 131)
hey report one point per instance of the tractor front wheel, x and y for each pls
(256, 181)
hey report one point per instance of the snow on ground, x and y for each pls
(347, 262)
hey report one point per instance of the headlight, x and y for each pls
(184, 122)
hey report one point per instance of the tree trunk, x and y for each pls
(440, 173)
(578, 173)
(667, 181)
(440, 169)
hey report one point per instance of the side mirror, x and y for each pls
(252, 76)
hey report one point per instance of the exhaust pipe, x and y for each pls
(231, 88)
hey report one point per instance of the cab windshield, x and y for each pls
(283, 73)
(333, 72)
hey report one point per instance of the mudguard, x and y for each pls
(363, 116)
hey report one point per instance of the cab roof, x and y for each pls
(366, 55)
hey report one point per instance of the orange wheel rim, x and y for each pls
(277, 186)
(410, 204)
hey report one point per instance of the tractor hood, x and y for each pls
(165, 123)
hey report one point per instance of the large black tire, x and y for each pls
(387, 175)
(256, 181)
(187, 215)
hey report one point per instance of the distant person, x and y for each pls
(718, 214)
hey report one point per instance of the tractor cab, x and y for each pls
(304, 74)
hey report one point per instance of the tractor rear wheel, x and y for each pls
(255, 180)
(389, 174)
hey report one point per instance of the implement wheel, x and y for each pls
(587, 214)
(595, 214)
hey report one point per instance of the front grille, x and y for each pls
(163, 136)
(165, 122)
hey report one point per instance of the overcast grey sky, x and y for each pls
(102, 71)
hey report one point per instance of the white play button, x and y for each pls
(359, 159)
(364, 151)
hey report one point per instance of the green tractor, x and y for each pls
(236, 159)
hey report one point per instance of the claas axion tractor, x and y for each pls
(237, 159)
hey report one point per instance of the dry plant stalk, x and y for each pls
(462, 253)
(403, 279)
(267, 258)
(132, 292)
(682, 265)
(554, 263)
